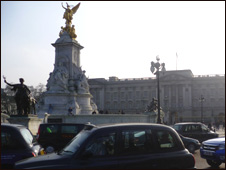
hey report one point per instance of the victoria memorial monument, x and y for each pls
(67, 86)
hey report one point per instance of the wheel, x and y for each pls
(49, 149)
(213, 163)
(191, 148)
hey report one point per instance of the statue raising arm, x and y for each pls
(69, 13)
(9, 83)
(63, 6)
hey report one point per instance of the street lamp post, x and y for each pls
(156, 66)
(201, 99)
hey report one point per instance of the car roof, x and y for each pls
(89, 124)
(13, 125)
(131, 125)
(65, 123)
(184, 123)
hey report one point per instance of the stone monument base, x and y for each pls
(58, 103)
(84, 103)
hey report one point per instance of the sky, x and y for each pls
(120, 38)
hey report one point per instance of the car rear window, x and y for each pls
(50, 129)
(69, 129)
(27, 136)
(166, 140)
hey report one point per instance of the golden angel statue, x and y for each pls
(68, 14)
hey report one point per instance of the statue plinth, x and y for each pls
(31, 121)
(67, 85)
(154, 115)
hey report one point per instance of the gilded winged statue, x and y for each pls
(68, 14)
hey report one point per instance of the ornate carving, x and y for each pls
(58, 79)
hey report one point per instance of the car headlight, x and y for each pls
(222, 146)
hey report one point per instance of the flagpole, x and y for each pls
(176, 61)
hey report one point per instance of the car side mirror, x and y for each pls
(87, 154)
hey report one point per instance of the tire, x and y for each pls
(191, 147)
(49, 149)
(213, 163)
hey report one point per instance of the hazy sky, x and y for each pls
(120, 38)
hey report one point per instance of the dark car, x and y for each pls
(17, 143)
(213, 150)
(119, 146)
(191, 144)
(195, 130)
(55, 136)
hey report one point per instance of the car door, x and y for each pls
(99, 152)
(151, 149)
(12, 148)
(136, 149)
(169, 152)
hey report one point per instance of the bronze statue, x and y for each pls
(153, 105)
(22, 96)
(72, 32)
(61, 31)
(68, 15)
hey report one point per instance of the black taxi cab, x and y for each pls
(119, 146)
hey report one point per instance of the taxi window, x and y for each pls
(165, 140)
(69, 129)
(103, 145)
(136, 141)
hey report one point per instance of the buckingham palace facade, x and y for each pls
(183, 96)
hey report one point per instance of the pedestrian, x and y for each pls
(50, 109)
(70, 111)
(210, 126)
(217, 125)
